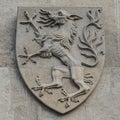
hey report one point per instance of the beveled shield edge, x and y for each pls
(42, 101)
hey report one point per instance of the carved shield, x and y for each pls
(60, 53)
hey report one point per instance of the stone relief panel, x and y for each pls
(60, 53)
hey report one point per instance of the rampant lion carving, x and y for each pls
(58, 44)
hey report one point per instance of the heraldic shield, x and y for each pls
(60, 53)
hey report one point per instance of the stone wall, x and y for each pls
(17, 102)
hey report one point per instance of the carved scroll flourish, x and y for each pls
(88, 43)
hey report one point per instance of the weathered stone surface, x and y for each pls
(117, 12)
(19, 104)
(59, 62)
(5, 95)
(8, 12)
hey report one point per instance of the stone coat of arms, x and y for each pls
(60, 53)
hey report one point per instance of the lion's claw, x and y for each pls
(42, 89)
(28, 57)
(68, 98)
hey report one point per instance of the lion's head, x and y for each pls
(57, 18)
